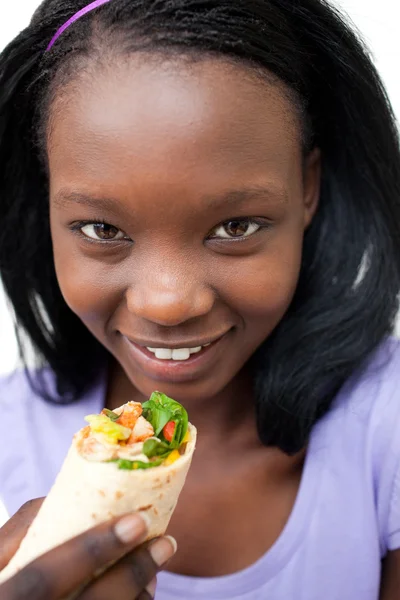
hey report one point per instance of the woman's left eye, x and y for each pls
(102, 232)
(235, 229)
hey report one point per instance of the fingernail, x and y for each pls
(146, 519)
(130, 528)
(151, 588)
(163, 549)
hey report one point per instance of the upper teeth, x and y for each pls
(175, 354)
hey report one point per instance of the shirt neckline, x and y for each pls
(281, 552)
(277, 557)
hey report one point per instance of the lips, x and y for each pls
(174, 345)
(175, 363)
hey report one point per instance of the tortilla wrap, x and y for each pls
(87, 493)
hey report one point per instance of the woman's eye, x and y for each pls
(235, 229)
(102, 231)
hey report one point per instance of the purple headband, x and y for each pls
(72, 20)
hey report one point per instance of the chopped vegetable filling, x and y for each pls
(138, 436)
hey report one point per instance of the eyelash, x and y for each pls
(77, 229)
(260, 222)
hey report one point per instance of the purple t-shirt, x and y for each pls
(346, 516)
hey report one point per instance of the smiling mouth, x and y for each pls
(175, 352)
(179, 363)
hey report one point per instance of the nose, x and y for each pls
(170, 298)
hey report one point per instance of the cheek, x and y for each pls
(262, 287)
(89, 287)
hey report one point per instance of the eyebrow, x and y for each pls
(233, 198)
(64, 197)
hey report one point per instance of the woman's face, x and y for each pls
(179, 201)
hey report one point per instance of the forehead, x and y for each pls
(166, 120)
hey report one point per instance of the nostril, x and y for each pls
(169, 308)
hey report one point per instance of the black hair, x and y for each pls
(347, 297)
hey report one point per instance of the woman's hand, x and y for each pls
(67, 568)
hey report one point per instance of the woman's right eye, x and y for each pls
(102, 232)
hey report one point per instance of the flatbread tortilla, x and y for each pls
(101, 479)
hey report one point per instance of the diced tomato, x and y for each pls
(169, 430)
(127, 420)
(130, 415)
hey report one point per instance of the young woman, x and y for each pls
(203, 197)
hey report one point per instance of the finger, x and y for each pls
(133, 576)
(145, 595)
(149, 592)
(13, 532)
(66, 568)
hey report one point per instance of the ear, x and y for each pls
(312, 185)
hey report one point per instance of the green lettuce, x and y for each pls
(159, 410)
(110, 414)
(154, 447)
(133, 465)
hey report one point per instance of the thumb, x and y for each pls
(13, 532)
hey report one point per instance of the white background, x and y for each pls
(377, 20)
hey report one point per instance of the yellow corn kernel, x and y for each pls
(172, 458)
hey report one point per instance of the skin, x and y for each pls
(391, 577)
(167, 153)
(170, 154)
(70, 566)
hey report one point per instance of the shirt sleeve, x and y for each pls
(16, 438)
(392, 465)
(385, 444)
